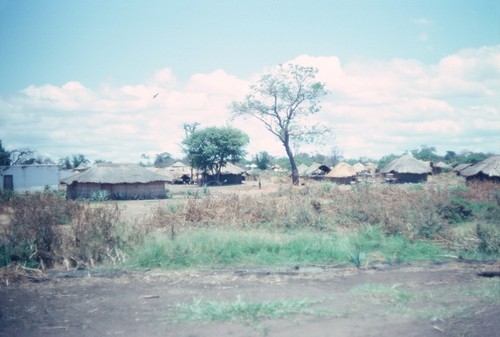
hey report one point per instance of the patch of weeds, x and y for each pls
(245, 312)
(99, 196)
(485, 288)
(489, 239)
(193, 194)
(416, 187)
(456, 210)
(381, 293)
(327, 187)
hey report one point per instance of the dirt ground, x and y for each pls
(411, 300)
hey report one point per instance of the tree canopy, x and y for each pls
(211, 148)
(71, 162)
(4, 156)
(282, 99)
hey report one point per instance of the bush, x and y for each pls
(45, 230)
(30, 236)
(456, 210)
(489, 239)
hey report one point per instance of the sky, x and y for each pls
(79, 77)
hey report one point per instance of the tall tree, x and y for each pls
(71, 162)
(4, 156)
(263, 160)
(282, 99)
(163, 160)
(212, 148)
(28, 157)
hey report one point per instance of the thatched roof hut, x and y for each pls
(488, 169)
(180, 172)
(358, 167)
(407, 169)
(460, 167)
(440, 167)
(317, 171)
(230, 174)
(118, 181)
(342, 173)
(164, 171)
(302, 168)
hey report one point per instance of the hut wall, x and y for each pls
(152, 190)
(341, 181)
(227, 179)
(81, 191)
(404, 178)
(482, 177)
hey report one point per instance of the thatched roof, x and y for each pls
(178, 170)
(313, 167)
(460, 167)
(358, 167)
(342, 170)
(178, 164)
(489, 167)
(407, 164)
(164, 171)
(302, 168)
(230, 168)
(442, 165)
(112, 173)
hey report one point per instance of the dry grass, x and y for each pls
(43, 230)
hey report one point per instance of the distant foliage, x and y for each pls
(4, 156)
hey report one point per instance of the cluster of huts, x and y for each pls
(130, 181)
(405, 169)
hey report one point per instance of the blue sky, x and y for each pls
(78, 76)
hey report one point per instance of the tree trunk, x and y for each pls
(295, 171)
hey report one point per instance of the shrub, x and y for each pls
(489, 239)
(456, 210)
(30, 235)
(100, 196)
(45, 229)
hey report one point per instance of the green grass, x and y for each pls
(242, 311)
(381, 293)
(436, 303)
(225, 247)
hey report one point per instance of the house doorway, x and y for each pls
(8, 182)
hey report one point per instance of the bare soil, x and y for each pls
(440, 300)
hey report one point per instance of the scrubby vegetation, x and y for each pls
(45, 230)
(320, 223)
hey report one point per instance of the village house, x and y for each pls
(29, 178)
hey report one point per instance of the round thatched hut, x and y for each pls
(117, 181)
(407, 169)
(488, 169)
(342, 173)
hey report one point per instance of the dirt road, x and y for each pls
(412, 300)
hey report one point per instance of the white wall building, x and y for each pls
(22, 178)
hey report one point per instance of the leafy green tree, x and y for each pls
(469, 157)
(71, 162)
(28, 157)
(282, 99)
(426, 153)
(211, 148)
(450, 156)
(164, 159)
(263, 160)
(385, 160)
(4, 156)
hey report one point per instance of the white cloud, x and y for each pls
(375, 108)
